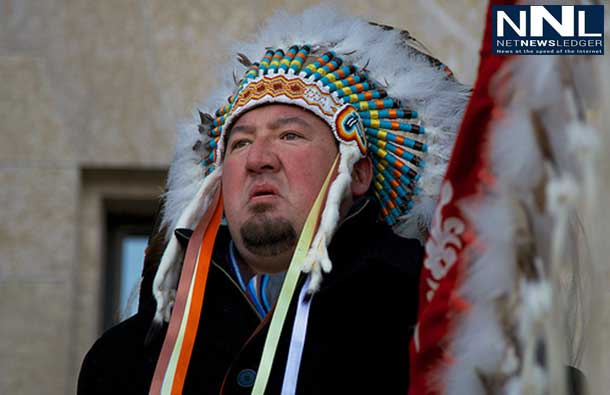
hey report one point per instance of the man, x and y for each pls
(317, 163)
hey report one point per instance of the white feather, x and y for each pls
(527, 87)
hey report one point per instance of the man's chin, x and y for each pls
(264, 235)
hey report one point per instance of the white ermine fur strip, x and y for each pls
(317, 258)
(166, 278)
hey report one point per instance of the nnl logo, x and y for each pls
(550, 30)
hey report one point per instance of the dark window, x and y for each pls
(128, 225)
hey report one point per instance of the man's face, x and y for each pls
(276, 159)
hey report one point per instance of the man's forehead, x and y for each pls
(274, 116)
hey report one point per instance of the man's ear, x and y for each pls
(362, 175)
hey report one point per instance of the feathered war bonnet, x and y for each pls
(376, 88)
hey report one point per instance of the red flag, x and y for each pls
(445, 260)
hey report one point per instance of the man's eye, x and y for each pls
(290, 136)
(239, 144)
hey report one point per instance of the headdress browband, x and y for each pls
(357, 109)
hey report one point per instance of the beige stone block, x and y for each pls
(30, 127)
(42, 29)
(123, 121)
(37, 221)
(102, 76)
(191, 40)
(28, 26)
(34, 336)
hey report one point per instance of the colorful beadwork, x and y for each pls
(381, 126)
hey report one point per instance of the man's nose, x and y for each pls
(262, 157)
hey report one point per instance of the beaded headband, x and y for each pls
(357, 109)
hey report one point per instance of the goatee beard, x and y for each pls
(266, 236)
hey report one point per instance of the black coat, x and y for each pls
(358, 334)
